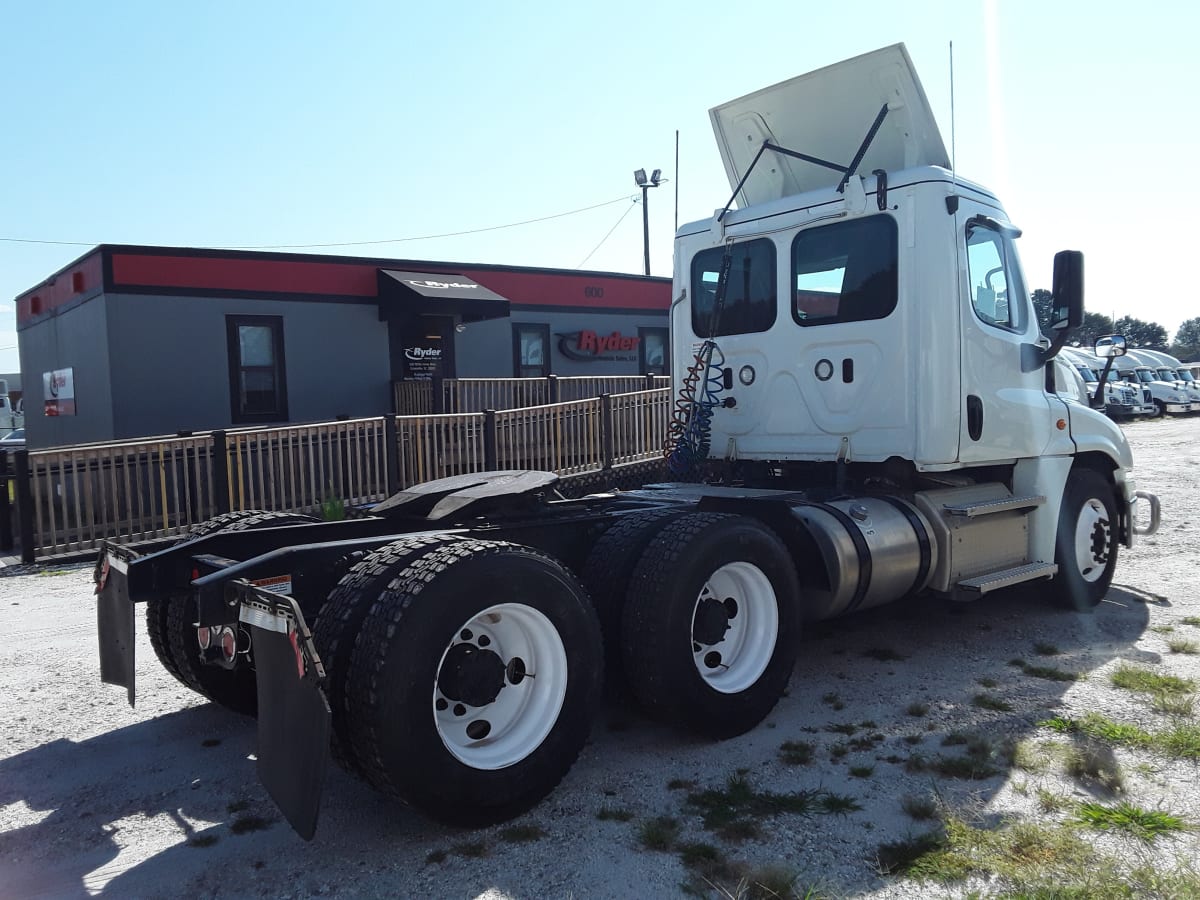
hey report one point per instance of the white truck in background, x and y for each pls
(1120, 400)
(1173, 371)
(1169, 399)
(11, 416)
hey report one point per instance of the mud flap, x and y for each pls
(293, 714)
(114, 622)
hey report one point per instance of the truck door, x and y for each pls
(1006, 410)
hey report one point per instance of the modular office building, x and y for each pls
(128, 341)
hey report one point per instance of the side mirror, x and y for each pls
(1067, 311)
(1110, 346)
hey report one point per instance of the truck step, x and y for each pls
(985, 584)
(987, 507)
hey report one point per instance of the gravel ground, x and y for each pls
(162, 800)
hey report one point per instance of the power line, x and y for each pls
(632, 204)
(423, 237)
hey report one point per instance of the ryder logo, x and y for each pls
(587, 345)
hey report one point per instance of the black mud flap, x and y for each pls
(114, 619)
(293, 714)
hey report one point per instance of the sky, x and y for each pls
(374, 125)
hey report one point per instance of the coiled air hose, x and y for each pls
(690, 428)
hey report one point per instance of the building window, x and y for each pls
(655, 354)
(531, 351)
(845, 272)
(257, 378)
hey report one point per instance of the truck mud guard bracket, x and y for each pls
(293, 712)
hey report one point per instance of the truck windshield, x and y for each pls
(1146, 375)
(1186, 375)
(1167, 374)
(1087, 374)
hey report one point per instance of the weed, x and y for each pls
(862, 771)
(1102, 728)
(681, 784)
(433, 857)
(838, 804)
(919, 808)
(1181, 646)
(916, 763)
(913, 739)
(734, 811)
(1146, 681)
(837, 751)
(1174, 704)
(236, 806)
(471, 849)
(966, 767)
(246, 824)
(900, 857)
(987, 682)
(1182, 741)
(1191, 620)
(916, 710)
(1017, 662)
(1162, 629)
(659, 833)
(1031, 756)
(796, 753)
(1141, 823)
(203, 840)
(867, 724)
(1091, 762)
(955, 739)
(608, 814)
(1044, 649)
(1050, 673)
(987, 701)
(844, 728)
(522, 834)
(884, 654)
(1050, 802)
(832, 699)
(866, 742)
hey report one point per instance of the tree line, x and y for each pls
(1147, 335)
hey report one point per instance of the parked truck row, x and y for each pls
(1146, 383)
(866, 412)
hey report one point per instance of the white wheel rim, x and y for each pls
(1092, 540)
(734, 660)
(502, 732)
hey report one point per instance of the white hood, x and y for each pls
(827, 114)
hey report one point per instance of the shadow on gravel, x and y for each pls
(870, 692)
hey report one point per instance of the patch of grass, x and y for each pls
(1017, 662)
(236, 806)
(681, 784)
(965, 767)
(902, 857)
(838, 804)
(203, 840)
(1191, 620)
(884, 654)
(1094, 725)
(867, 724)
(916, 763)
(471, 849)
(1041, 648)
(522, 834)
(1181, 646)
(832, 699)
(246, 824)
(987, 682)
(956, 739)
(1050, 673)
(837, 751)
(919, 808)
(659, 833)
(796, 753)
(434, 857)
(1144, 824)
(735, 810)
(1182, 741)
(987, 701)
(608, 814)
(1035, 756)
(842, 728)
(913, 739)
(1147, 681)
(1162, 629)
(1182, 705)
(866, 742)
(916, 710)
(1050, 802)
(862, 771)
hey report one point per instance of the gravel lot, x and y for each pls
(162, 800)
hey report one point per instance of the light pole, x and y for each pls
(645, 184)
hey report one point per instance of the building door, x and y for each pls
(531, 351)
(654, 351)
(426, 347)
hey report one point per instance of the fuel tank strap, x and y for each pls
(860, 546)
(923, 546)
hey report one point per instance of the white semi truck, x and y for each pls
(865, 413)
(1120, 400)
(1168, 398)
(1172, 371)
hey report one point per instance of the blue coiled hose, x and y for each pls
(690, 429)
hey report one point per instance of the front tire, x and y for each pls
(711, 623)
(474, 681)
(1087, 541)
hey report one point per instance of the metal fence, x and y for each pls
(468, 395)
(71, 498)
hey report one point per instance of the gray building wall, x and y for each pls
(75, 338)
(171, 363)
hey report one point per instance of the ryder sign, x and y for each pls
(587, 345)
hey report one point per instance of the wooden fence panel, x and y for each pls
(562, 437)
(439, 446)
(639, 424)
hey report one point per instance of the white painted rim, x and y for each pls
(523, 714)
(1089, 527)
(748, 644)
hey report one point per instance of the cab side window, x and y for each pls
(997, 294)
(750, 294)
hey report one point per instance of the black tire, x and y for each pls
(1085, 547)
(678, 634)
(606, 575)
(1160, 410)
(407, 658)
(236, 688)
(341, 617)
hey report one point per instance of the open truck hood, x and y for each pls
(827, 114)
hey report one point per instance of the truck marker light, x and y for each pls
(1061, 424)
(228, 644)
(204, 636)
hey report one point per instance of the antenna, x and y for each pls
(953, 143)
(677, 179)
